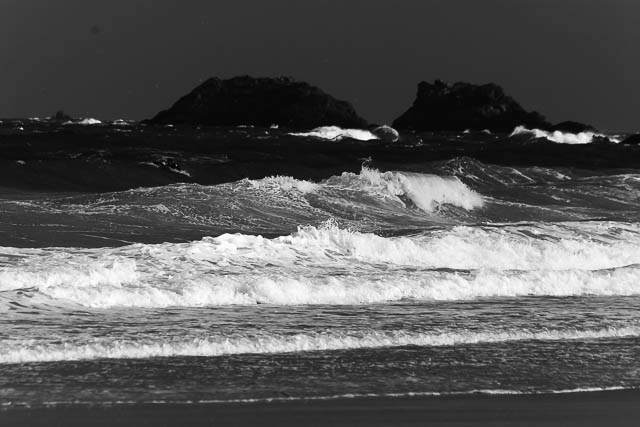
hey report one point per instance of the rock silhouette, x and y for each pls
(246, 100)
(462, 106)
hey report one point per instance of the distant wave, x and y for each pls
(84, 122)
(337, 133)
(122, 122)
(12, 351)
(557, 136)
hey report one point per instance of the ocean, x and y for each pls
(159, 265)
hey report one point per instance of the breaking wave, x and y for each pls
(84, 122)
(193, 290)
(285, 183)
(462, 191)
(427, 192)
(12, 352)
(337, 133)
(557, 136)
(329, 265)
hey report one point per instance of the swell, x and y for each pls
(426, 192)
(462, 191)
(45, 156)
(271, 206)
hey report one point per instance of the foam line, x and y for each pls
(12, 351)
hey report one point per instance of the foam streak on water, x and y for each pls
(21, 352)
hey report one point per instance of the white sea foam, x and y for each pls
(179, 171)
(164, 282)
(337, 133)
(345, 396)
(14, 351)
(557, 136)
(285, 183)
(70, 272)
(504, 264)
(490, 392)
(86, 122)
(270, 288)
(298, 269)
(466, 247)
(121, 122)
(427, 192)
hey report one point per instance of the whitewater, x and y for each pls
(441, 277)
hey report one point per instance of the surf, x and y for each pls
(20, 352)
(462, 263)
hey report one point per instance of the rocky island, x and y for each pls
(264, 102)
(293, 104)
(461, 106)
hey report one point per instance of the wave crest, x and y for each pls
(330, 265)
(85, 122)
(12, 352)
(557, 136)
(285, 183)
(195, 279)
(427, 192)
(337, 133)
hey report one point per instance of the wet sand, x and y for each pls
(610, 408)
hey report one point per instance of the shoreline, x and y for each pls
(610, 407)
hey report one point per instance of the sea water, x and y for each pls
(466, 277)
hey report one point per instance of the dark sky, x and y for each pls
(569, 59)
